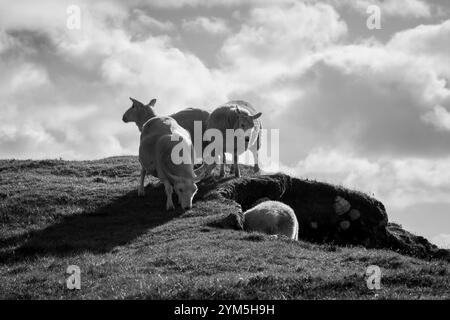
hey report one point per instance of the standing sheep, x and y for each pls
(159, 137)
(236, 115)
(141, 114)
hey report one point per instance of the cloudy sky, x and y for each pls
(365, 108)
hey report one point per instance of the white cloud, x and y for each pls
(21, 79)
(369, 97)
(150, 22)
(79, 81)
(175, 77)
(440, 117)
(397, 182)
(397, 8)
(423, 39)
(442, 240)
(282, 58)
(385, 66)
(427, 42)
(275, 39)
(210, 3)
(406, 8)
(142, 25)
(33, 15)
(214, 25)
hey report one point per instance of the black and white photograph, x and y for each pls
(253, 152)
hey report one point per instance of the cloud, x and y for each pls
(275, 39)
(394, 8)
(291, 60)
(6, 41)
(214, 26)
(372, 98)
(142, 25)
(169, 71)
(440, 117)
(176, 4)
(406, 8)
(397, 182)
(27, 76)
(426, 42)
(442, 240)
(79, 82)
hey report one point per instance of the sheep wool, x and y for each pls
(272, 217)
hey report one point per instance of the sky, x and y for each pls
(366, 108)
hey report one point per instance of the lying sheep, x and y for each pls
(271, 217)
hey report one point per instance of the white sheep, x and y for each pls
(159, 137)
(271, 217)
(140, 114)
(236, 115)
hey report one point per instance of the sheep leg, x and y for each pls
(222, 166)
(169, 190)
(141, 190)
(254, 149)
(237, 173)
(255, 159)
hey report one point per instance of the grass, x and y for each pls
(57, 213)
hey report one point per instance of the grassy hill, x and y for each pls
(59, 213)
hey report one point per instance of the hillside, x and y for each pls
(58, 213)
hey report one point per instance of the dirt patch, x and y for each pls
(329, 214)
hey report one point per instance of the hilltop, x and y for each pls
(56, 213)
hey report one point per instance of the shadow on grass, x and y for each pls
(116, 223)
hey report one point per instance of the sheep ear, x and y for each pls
(152, 103)
(256, 116)
(135, 102)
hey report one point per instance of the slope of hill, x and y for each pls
(59, 213)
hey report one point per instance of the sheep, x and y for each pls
(271, 217)
(187, 118)
(236, 115)
(254, 143)
(140, 114)
(159, 137)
